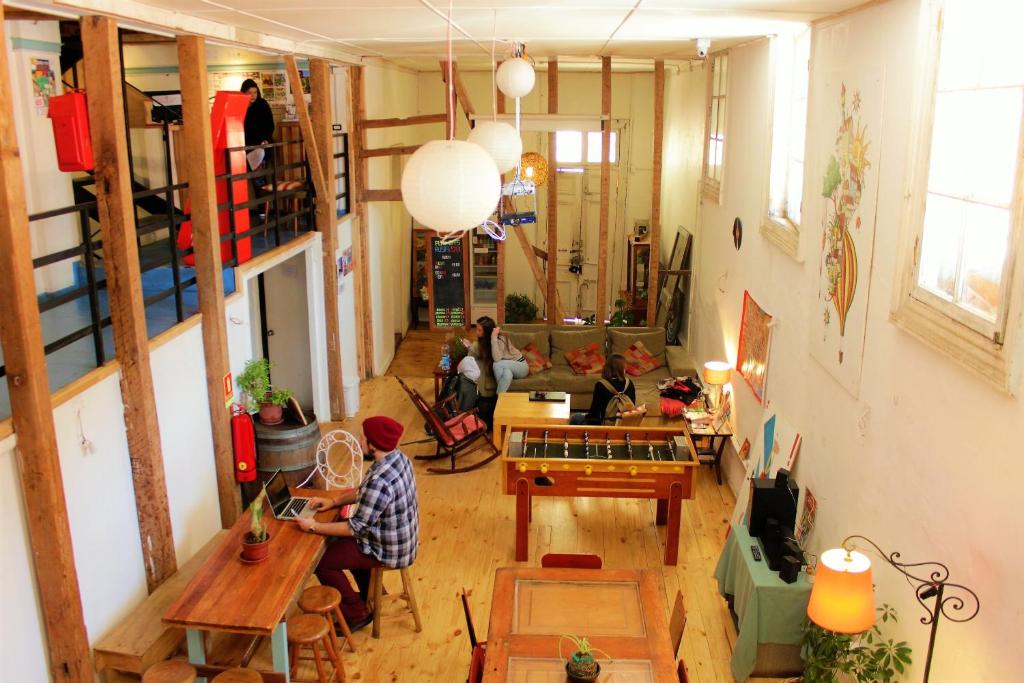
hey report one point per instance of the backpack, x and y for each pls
(618, 403)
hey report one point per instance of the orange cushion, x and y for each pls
(463, 425)
(586, 360)
(639, 360)
(537, 361)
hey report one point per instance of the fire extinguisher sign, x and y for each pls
(229, 390)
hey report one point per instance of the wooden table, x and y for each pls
(622, 612)
(229, 596)
(704, 438)
(516, 407)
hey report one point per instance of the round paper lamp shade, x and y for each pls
(515, 77)
(451, 185)
(534, 167)
(843, 599)
(500, 140)
(717, 372)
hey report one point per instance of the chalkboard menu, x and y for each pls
(448, 283)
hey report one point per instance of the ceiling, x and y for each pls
(412, 32)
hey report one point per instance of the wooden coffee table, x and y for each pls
(517, 407)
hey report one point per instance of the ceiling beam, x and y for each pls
(460, 89)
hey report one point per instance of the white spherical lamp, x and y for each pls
(500, 140)
(515, 77)
(451, 185)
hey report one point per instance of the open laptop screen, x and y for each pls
(277, 493)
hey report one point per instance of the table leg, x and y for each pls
(718, 458)
(279, 650)
(437, 387)
(661, 515)
(196, 649)
(498, 433)
(522, 519)
(675, 512)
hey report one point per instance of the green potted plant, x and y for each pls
(272, 407)
(519, 308)
(582, 666)
(864, 657)
(256, 544)
(622, 317)
(254, 383)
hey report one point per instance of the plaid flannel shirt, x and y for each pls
(386, 522)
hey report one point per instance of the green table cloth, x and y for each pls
(769, 609)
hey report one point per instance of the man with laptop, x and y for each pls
(383, 529)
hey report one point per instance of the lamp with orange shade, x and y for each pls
(843, 597)
(717, 374)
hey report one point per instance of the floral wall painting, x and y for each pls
(849, 111)
(755, 344)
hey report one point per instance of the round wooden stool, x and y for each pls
(170, 671)
(314, 632)
(376, 597)
(326, 602)
(238, 675)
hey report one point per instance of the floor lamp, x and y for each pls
(843, 599)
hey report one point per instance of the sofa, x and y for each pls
(555, 340)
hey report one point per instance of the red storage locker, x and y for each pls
(70, 118)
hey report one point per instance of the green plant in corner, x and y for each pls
(864, 657)
(519, 308)
(254, 382)
(622, 317)
(257, 531)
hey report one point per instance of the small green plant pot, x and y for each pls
(579, 673)
(271, 414)
(255, 552)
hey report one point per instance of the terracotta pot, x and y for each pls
(575, 676)
(255, 552)
(271, 414)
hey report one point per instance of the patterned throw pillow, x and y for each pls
(536, 360)
(639, 360)
(586, 360)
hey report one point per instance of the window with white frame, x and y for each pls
(967, 214)
(577, 147)
(790, 60)
(714, 145)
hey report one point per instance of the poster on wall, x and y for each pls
(849, 118)
(43, 85)
(755, 344)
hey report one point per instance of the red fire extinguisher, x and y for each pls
(243, 436)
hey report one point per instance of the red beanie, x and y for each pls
(382, 432)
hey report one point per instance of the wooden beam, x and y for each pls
(602, 237)
(461, 93)
(198, 156)
(360, 171)
(541, 253)
(659, 137)
(42, 485)
(382, 195)
(553, 308)
(127, 311)
(389, 151)
(499, 108)
(407, 121)
(326, 224)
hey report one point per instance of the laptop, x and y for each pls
(282, 503)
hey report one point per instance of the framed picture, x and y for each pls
(755, 344)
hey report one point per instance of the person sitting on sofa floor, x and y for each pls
(384, 530)
(614, 396)
(495, 350)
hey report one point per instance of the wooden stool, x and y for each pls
(326, 602)
(170, 671)
(376, 597)
(313, 631)
(238, 675)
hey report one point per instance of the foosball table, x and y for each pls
(605, 462)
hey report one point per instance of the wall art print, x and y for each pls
(755, 344)
(849, 121)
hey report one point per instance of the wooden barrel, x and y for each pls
(289, 447)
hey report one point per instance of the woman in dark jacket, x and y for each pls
(259, 119)
(614, 373)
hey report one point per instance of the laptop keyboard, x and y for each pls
(295, 507)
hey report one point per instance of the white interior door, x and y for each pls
(288, 328)
(586, 232)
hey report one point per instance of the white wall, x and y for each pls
(923, 461)
(685, 93)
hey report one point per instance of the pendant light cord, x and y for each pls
(451, 84)
(494, 70)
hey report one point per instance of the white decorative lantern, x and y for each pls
(500, 140)
(451, 185)
(515, 77)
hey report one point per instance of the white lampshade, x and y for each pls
(500, 140)
(515, 77)
(717, 372)
(451, 185)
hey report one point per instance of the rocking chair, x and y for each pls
(454, 432)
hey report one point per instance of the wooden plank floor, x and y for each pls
(466, 533)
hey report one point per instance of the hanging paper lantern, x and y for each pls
(515, 77)
(500, 140)
(450, 185)
(533, 167)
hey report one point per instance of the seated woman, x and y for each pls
(495, 351)
(614, 396)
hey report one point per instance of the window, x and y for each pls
(569, 147)
(715, 143)
(958, 251)
(790, 62)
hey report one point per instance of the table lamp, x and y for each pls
(717, 374)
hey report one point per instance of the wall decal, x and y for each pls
(755, 343)
(737, 233)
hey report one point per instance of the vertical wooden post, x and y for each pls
(499, 108)
(554, 314)
(197, 139)
(326, 223)
(602, 239)
(121, 262)
(659, 136)
(42, 485)
(359, 168)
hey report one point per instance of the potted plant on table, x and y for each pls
(582, 666)
(256, 544)
(864, 657)
(255, 385)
